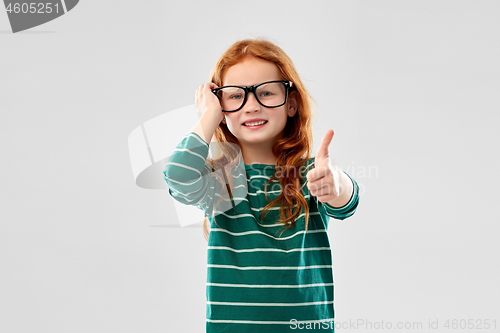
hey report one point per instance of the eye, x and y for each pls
(266, 94)
(236, 96)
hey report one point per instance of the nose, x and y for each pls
(251, 104)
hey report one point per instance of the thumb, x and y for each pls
(323, 148)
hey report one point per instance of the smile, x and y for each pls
(255, 124)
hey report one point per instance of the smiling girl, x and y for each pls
(269, 258)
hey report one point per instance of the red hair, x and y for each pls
(294, 149)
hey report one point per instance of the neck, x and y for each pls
(258, 153)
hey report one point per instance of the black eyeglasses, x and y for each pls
(271, 94)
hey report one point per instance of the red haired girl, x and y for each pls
(269, 257)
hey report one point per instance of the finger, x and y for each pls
(197, 95)
(325, 198)
(317, 173)
(209, 86)
(324, 188)
(320, 188)
(325, 143)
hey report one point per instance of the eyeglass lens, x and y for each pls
(269, 94)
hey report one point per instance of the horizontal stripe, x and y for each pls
(197, 137)
(268, 295)
(187, 194)
(271, 277)
(218, 212)
(260, 192)
(184, 167)
(270, 304)
(245, 233)
(239, 216)
(269, 249)
(263, 322)
(229, 285)
(260, 176)
(268, 267)
(182, 183)
(191, 152)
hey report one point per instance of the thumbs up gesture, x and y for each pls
(327, 181)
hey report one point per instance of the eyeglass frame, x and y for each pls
(251, 89)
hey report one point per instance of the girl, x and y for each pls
(269, 258)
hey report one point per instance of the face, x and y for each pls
(249, 72)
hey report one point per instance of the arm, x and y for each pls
(346, 191)
(211, 112)
(186, 173)
(335, 192)
(189, 178)
(348, 208)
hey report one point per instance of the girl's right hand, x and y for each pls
(207, 102)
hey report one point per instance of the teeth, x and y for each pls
(255, 124)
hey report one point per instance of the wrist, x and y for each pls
(346, 189)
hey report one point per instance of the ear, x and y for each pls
(292, 104)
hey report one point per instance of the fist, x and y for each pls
(324, 180)
(207, 102)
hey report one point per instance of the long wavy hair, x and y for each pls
(293, 150)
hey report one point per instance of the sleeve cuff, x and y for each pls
(349, 205)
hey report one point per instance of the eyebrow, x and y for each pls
(249, 85)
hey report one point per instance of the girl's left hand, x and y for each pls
(324, 180)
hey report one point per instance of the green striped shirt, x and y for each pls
(261, 277)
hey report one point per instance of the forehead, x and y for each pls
(250, 71)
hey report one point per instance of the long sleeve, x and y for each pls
(344, 212)
(188, 175)
(192, 181)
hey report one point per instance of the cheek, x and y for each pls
(281, 118)
(231, 122)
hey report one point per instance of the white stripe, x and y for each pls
(266, 177)
(270, 304)
(230, 285)
(245, 268)
(270, 208)
(197, 137)
(263, 233)
(175, 181)
(257, 210)
(267, 322)
(277, 208)
(184, 166)
(263, 192)
(234, 198)
(181, 195)
(218, 212)
(186, 195)
(269, 249)
(191, 152)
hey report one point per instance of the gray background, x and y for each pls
(409, 87)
